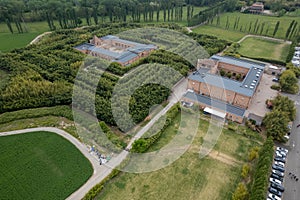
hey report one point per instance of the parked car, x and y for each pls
(274, 180)
(279, 159)
(274, 197)
(282, 149)
(275, 176)
(278, 168)
(275, 80)
(279, 164)
(274, 191)
(278, 187)
(281, 153)
(279, 173)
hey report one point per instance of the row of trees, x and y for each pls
(213, 11)
(70, 13)
(260, 180)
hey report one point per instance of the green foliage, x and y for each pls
(59, 111)
(296, 70)
(275, 87)
(240, 193)
(253, 154)
(289, 82)
(285, 105)
(276, 123)
(260, 180)
(143, 144)
(39, 162)
(245, 171)
(211, 43)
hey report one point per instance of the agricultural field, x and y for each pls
(189, 177)
(243, 26)
(40, 165)
(263, 48)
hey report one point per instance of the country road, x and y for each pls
(102, 171)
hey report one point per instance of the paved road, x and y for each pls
(102, 171)
(292, 188)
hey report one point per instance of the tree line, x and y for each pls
(70, 13)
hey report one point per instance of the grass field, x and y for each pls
(10, 41)
(40, 165)
(189, 177)
(244, 24)
(219, 32)
(263, 48)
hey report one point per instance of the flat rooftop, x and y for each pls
(215, 104)
(247, 87)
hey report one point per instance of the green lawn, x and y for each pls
(189, 177)
(263, 48)
(219, 32)
(10, 41)
(40, 165)
(242, 29)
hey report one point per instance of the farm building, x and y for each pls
(114, 49)
(229, 94)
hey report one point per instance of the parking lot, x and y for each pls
(264, 92)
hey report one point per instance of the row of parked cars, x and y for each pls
(276, 179)
(296, 57)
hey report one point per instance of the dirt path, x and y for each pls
(39, 37)
(264, 37)
(224, 158)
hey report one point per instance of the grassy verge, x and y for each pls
(40, 165)
(264, 48)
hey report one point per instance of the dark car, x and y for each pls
(274, 191)
(279, 159)
(276, 177)
(276, 167)
(277, 187)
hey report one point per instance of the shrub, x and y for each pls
(245, 171)
(275, 87)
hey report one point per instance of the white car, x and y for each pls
(297, 48)
(278, 172)
(279, 163)
(282, 153)
(273, 196)
(282, 149)
(275, 181)
(286, 137)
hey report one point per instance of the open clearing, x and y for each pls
(264, 48)
(40, 165)
(189, 177)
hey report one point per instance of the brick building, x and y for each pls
(257, 7)
(222, 93)
(114, 49)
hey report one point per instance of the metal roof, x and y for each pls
(84, 46)
(221, 82)
(104, 52)
(246, 87)
(239, 62)
(214, 103)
